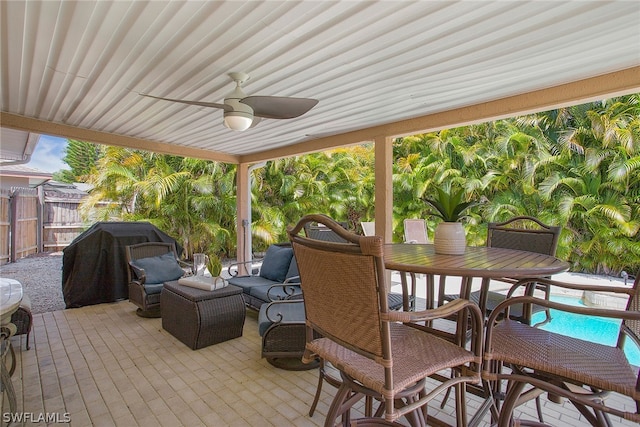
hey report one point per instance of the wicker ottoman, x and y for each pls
(200, 318)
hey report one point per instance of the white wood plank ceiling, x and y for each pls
(82, 64)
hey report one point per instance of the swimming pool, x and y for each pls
(589, 328)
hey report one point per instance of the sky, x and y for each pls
(48, 154)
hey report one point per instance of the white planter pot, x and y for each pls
(449, 238)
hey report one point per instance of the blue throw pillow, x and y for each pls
(276, 263)
(160, 269)
(293, 269)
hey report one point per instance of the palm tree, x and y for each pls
(186, 198)
(590, 185)
(114, 180)
(576, 167)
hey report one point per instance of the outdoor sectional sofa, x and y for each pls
(274, 291)
(278, 267)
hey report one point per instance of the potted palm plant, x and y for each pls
(214, 266)
(449, 238)
(215, 269)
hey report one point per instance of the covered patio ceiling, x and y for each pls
(76, 69)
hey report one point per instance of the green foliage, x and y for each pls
(81, 157)
(449, 205)
(215, 265)
(575, 167)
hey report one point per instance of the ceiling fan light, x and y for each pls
(238, 120)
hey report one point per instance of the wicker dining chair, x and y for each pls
(376, 350)
(524, 233)
(319, 232)
(406, 301)
(582, 372)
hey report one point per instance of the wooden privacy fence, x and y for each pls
(4, 226)
(19, 223)
(45, 219)
(61, 219)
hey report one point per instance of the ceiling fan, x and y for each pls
(242, 112)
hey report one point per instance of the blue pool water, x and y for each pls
(589, 328)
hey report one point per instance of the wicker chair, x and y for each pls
(376, 350)
(23, 319)
(522, 233)
(143, 292)
(406, 301)
(581, 371)
(319, 232)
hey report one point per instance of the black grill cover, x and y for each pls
(94, 265)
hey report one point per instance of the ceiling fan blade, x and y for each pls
(200, 103)
(255, 122)
(279, 107)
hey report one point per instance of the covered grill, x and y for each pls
(94, 265)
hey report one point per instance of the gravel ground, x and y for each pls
(41, 278)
